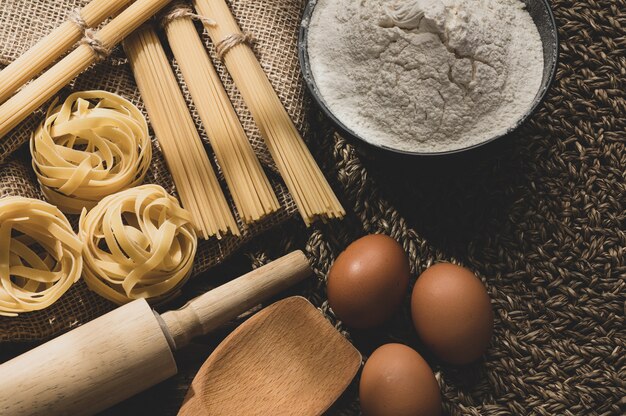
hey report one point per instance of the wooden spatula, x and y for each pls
(285, 360)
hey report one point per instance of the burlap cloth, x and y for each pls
(23, 22)
(541, 219)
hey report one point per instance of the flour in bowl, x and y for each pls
(425, 75)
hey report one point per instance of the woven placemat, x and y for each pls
(541, 220)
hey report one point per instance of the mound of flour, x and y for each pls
(425, 75)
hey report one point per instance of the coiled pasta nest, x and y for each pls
(40, 256)
(94, 144)
(139, 243)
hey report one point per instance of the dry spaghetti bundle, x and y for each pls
(303, 177)
(185, 155)
(55, 44)
(92, 145)
(139, 243)
(250, 188)
(40, 256)
(94, 47)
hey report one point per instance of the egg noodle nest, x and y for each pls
(541, 220)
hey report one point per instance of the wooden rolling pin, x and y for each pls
(129, 349)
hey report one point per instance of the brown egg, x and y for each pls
(368, 281)
(396, 381)
(452, 313)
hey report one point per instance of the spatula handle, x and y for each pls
(218, 306)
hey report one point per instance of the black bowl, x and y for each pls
(541, 14)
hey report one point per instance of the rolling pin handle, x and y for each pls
(166, 331)
(218, 306)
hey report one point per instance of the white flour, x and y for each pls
(425, 75)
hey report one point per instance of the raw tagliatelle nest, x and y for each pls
(139, 243)
(40, 256)
(94, 144)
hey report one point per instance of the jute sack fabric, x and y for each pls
(542, 223)
(22, 23)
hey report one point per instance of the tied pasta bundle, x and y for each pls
(182, 147)
(40, 256)
(85, 151)
(250, 188)
(307, 184)
(55, 44)
(139, 243)
(94, 48)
